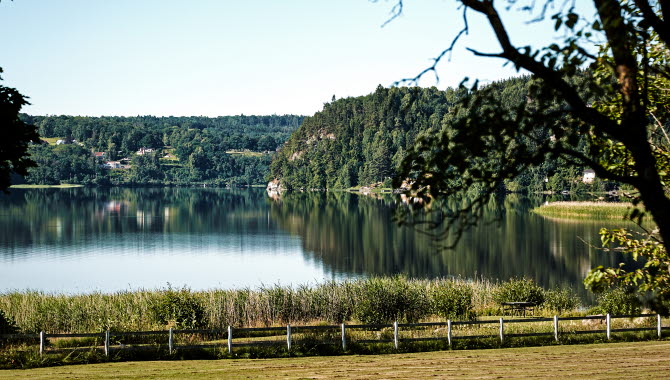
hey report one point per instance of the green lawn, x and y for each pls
(51, 140)
(589, 361)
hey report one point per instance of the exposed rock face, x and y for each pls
(274, 189)
(274, 185)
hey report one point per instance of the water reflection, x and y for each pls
(109, 239)
(352, 234)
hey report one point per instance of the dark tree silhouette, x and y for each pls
(15, 135)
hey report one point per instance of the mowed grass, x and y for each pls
(585, 210)
(51, 140)
(592, 361)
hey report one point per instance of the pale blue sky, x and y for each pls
(220, 57)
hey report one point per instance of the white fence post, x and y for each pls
(42, 338)
(556, 327)
(449, 331)
(659, 329)
(288, 337)
(608, 321)
(170, 340)
(502, 335)
(395, 334)
(230, 339)
(107, 343)
(344, 338)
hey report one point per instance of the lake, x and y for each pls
(82, 240)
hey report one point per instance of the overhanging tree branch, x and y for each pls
(660, 26)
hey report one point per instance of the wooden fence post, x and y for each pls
(608, 322)
(288, 337)
(502, 334)
(170, 340)
(344, 338)
(230, 339)
(449, 331)
(107, 343)
(659, 329)
(42, 338)
(395, 334)
(556, 327)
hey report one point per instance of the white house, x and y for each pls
(589, 176)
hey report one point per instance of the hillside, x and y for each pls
(226, 150)
(361, 141)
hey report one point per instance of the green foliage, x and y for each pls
(197, 148)
(7, 325)
(519, 290)
(560, 300)
(15, 136)
(451, 300)
(649, 279)
(178, 307)
(384, 300)
(69, 163)
(371, 300)
(619, 301)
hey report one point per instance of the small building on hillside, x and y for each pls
(144, 151)
(589, 176)
(100, 155)
(111, 165)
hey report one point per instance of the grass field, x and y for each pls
(245, 153)
(51, 140)
(585, 210)
(592, 361)
(62, 186)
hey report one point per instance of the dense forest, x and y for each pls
(226, 150)
(361, 141)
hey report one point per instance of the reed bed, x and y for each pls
(585, 210)
(372, 300)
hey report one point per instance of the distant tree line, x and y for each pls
(363, 140)
(184, 150)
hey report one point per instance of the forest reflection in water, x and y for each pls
(353, 234)
(206, 238)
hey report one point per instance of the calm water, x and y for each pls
(79, 240)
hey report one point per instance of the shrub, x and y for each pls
(619, 301)
(450, 300)
(179, 308)
(7, 325)
(560, 300)
(519, 290)
(384, 300)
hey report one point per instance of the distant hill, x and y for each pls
(362, 140)
(225, 150)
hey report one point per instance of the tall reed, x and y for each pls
(372, 300)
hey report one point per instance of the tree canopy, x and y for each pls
(15, 135)
(615, 121)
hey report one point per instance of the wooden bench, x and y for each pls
(518, 308)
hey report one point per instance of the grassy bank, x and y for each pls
(585, 210)
(375, 300)
(593, 361)
(61, 186)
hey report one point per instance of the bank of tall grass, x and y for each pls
(373, 300)
(585, 210)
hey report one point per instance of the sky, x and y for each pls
(223, 57)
